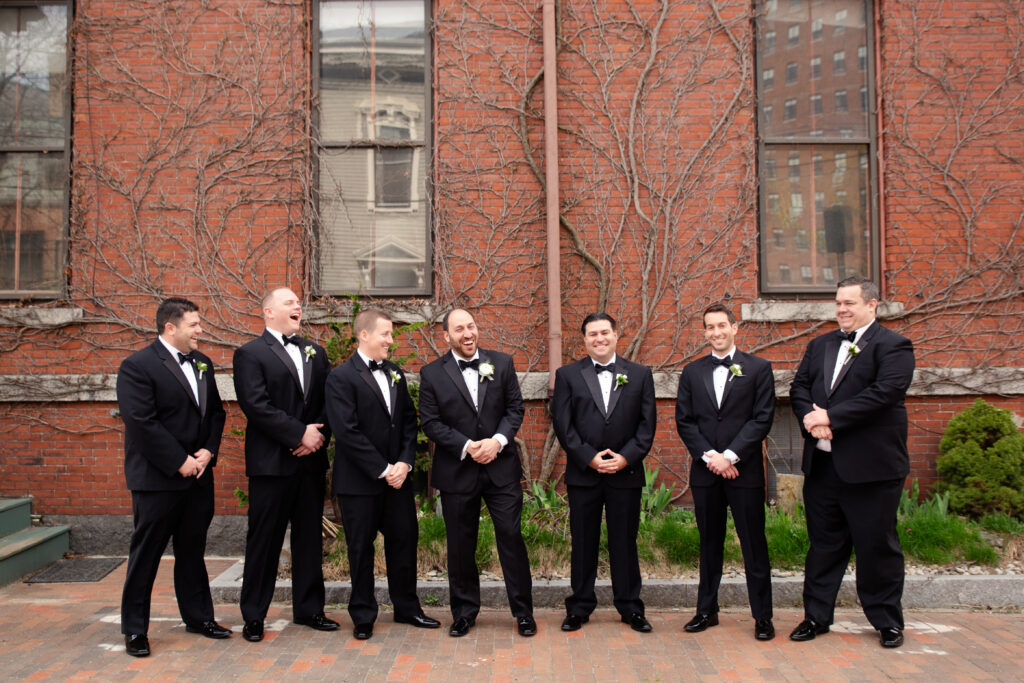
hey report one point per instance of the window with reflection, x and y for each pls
(374, 125)
(826, 143)
(33, 148)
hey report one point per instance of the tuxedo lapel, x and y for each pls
(307, 371)
(831, 356)
(451, 366)
(277, 348)
(707, 374)
(865, 339)
(172, 364)
(590, 378)
(201, 382)
(392, 387)
(481, 389)
(613, 397)
(737, 358)
(368, 377)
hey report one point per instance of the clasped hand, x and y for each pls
(608, 465)
(817, 423)
(484, 450)
(195, 464)
(720, 465)
(312, 440)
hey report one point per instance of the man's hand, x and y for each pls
(822, 432)
(311, 442)
(190, 467)
(397, 474)
(608, 465)
(718, 463)
(816, 418)
(484, 450)
(203, 458)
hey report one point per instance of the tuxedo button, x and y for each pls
(719, 418)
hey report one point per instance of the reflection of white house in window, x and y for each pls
(390, 263)
(391, 170)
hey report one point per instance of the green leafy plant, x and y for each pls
(982, 463)
(928, 532)
(653, 501)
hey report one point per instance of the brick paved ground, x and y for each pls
(70, 632)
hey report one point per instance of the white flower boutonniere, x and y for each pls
(310, 351)
(486, 371)
(736, 369)
(201, 367)
(853, 350)
(396, 377)
(620, 380)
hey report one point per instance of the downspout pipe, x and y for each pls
(552, 198)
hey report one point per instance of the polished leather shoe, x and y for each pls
(420, 620)
(807, 630)
(136, 644)
(638, 622)
(210, 629)
(461, 626)
(701, 622)
(574, 622)
(890, 637)
(763, 629)
(318, 621)
(362, 631)
(526, 626)
(253, 631)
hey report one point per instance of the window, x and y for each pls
(779, 238)
(793, 35)
(766, 114)
(769, 42)
(840, 22)
(374, 127)
(33, 148)
(791, 73)
(839, 62)
(769, 167)
(838, 229)
(768, 78)
(862, 58)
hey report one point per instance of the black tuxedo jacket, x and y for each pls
(163, 424)
(866, 405)
(367, 438)
(269, 393)
(449, 419)
(740, 424)
(584, 429)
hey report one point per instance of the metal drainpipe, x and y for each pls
(552, 203)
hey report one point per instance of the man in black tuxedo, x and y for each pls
(374, 422)
(279, 381)
(603, 410)
(173, 420)
(724, 410)
(849, 392)
(471, 408)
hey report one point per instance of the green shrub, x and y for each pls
(982, 463)
(999, 523)
(787, 537)
(928, 532)
(678, 539)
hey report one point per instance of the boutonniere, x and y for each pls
(396, 377)
(736, 369)
(310, 351)
(486, 371)
(201, 367)
(851, 352)
(621, 380)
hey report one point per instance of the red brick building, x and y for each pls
(754, 152)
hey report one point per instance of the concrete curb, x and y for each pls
(1002, 591)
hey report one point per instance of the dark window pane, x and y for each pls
(31, 221)
(32, 76)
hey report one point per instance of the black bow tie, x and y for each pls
(376, 365)
(475, 364)
(294, 339)
(603, 368)
(724, 362)
(186, 357)
(848, 336)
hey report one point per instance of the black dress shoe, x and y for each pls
(527, 626)
(362, 631)
(461, 626)
(763, 629)
(807, 630)
(210, 629)
(420, 620)
(319, 622)
(253, 631)
(136, 644)
(574, 622)
(701, 622)
(890, 637)
(638, 622)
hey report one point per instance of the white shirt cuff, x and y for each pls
(500, 438)
(465, 449)
(730, 456)
(385, 472)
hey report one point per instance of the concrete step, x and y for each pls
(29, 549)
(15, 515)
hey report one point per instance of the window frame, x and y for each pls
(779, 144)
(62, 250)
(320, 148)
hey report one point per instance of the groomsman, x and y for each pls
(173, 421)
(604, 415)
(471, 408)
(849, 393)
(724, 411)
(279, 381)
(374, 422)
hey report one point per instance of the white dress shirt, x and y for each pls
(190, 373)
(606, 380)
(295, 353)
(841, 360)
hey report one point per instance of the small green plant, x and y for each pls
(928, 532)
(982, 463)
(653, 501)
(242, 496)
(999, 523)
(787, 537)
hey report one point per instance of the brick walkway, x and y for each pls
(71, 632)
